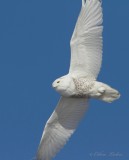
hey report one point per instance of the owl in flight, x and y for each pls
(80, 84)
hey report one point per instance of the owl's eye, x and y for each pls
(58, 81)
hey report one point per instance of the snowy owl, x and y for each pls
(79, 85)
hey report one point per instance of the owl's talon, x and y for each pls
(101, 90)
(98, 94)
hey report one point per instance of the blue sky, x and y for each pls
(34, 51)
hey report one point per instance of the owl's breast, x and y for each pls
(83, 86)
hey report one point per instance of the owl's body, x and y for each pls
(85, 87)
(80, 84)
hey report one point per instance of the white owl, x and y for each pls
(79, 85)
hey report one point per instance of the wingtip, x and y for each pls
(100, 1)
(84, 2)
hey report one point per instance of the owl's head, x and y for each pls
(64, 85)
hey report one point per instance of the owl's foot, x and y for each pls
(101, 90)
(110, 95)
(104, 92)
(95, 93)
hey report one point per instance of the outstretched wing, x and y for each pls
(86, 41)
(61, 126)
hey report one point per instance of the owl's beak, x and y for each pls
(54, 85)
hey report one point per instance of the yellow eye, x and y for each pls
(58, 81)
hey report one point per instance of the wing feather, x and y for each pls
(61, 126)
(86, 41)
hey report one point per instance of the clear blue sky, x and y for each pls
(34, 51)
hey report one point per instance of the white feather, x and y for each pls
(86, 57)
(86, 42)
(61, 126)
